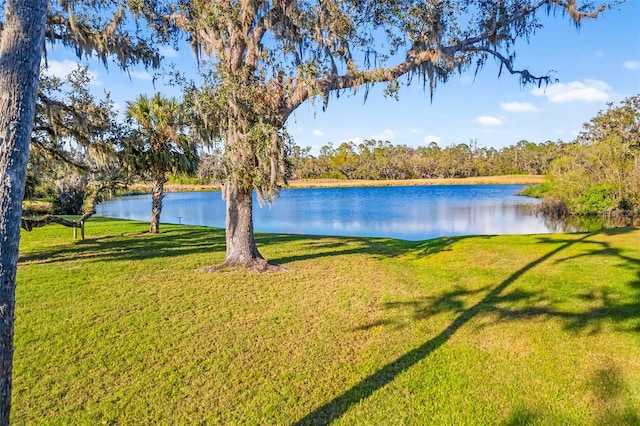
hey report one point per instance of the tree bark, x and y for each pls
(240, 240)
(157, 194)
(20, 53)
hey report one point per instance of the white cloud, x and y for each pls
(168, 52)
(414, 131)
(587, 90)
(428, 139)
(141, 75)
(385, 135)
(466, 79)
(519, 107)
(61, 69)
(632, 65)
(317, 132)
(486, 120)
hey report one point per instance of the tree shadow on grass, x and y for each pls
(174, 240)
(623, 314)
(612, 405)
(523, 416)
(324, 246)
(493, 301)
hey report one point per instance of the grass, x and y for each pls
(477, 180)
(338, 183)
(122, 328)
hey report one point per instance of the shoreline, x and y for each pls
(343, 183)
(480, 180)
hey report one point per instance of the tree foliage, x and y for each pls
(109, 29)
(73, 156)
(160, 142)
(69, 116)
(601, 171)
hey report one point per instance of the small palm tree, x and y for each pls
(158, 145)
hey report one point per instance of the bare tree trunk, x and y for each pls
(20, 52)
(241, 243)
(157, 194)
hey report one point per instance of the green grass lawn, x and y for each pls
(123, 328)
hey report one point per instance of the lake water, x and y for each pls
(409, 212)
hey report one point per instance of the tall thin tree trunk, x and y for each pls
(157, 194)
(20, 52)
(241, 243)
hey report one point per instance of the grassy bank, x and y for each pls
(122, 328)
(480, 180)
(338, 183)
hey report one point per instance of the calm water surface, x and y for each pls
(410, 213)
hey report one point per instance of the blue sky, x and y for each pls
(595, 64)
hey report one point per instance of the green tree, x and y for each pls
(68, 114)
(301, 162)
(427, 162)
(267, 58)
(72, 143)
(159, 145)
(601, 169)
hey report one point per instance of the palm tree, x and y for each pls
(158, 145)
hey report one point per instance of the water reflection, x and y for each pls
(411, 213)
(589, 223)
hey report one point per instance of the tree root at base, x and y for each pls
(259, 266)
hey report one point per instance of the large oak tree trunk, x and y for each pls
(241, 243)
(157, 194)
(20, 52)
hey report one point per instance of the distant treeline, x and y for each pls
(596, 173)
(377, 160)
